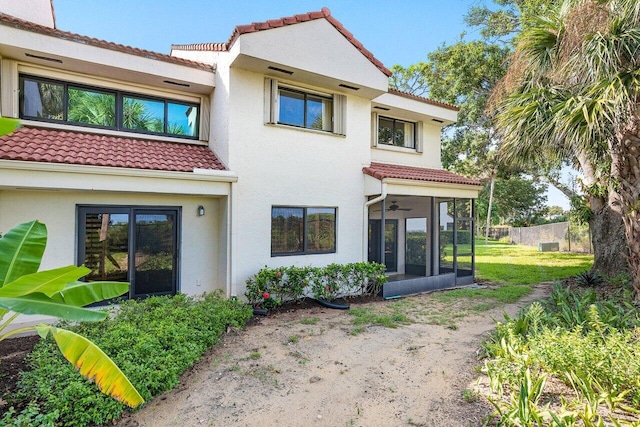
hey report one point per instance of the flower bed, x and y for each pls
(270, 287)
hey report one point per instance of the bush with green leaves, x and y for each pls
(588, 343)
(154, 341)
(270, 287)
(589, 279)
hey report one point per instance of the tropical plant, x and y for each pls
(59, 293)
(571, 92)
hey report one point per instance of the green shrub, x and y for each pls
(589, 279)
(153, 341)
(589, 343)
(270, 287)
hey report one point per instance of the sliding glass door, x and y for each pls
(131, 244)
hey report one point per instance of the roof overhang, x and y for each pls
(313, 53)
(23, 175)
(415, 181)
(407, 187)
(413, 109)
(66, 53)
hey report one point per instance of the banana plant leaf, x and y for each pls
(48, 282)
(21, 250)
(80, 294)
(8, 125)
(94, 364)
(38, 303)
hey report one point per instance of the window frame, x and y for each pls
(305, 250)
(305, 110)
(119, 96)
(131, 210)
(338, 125)
(394, 121)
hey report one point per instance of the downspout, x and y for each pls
(231, 236)
(365, 219)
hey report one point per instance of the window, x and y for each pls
(57, 101)
(296, 230)
(396, 132)
(305, 110)
(291, 106)
(131, 244)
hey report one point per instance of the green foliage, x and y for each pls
(59, 293)
(589, 343)
(589, 279)
(518, 265)
(517, 201)
(270, 287)
(29, 417)
(153, 341)
(364, 316)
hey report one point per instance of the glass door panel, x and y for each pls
(390, 243)
(445, 248)
(464, 247)
(155, 253)
(416, 246)
(106, 246)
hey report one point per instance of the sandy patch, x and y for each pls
(307, 368)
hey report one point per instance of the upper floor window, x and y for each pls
(65, 102)
(396, 132)
(298, 107)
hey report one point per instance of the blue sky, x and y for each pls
(397, 32)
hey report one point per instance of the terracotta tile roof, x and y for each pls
(79, 148)
(282, 22)
(384, 170)
(423, 99)
(65, 35)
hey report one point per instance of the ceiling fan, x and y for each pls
(394, 207)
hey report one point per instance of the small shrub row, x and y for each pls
(153, 341)
(590, 344)
(270, 287)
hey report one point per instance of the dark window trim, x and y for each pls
(394, 120)
(119, 99)
(131, 210)
(306, 94)
(304, 231)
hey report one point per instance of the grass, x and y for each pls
(513, 268)
(524, 265)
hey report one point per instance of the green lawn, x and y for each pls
(524, 265)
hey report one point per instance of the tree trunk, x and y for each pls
(608, 239)
(625, 169)
(486, 234)
(606, 225)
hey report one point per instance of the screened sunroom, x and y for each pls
(427, 239)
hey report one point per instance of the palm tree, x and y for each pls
(572, 91)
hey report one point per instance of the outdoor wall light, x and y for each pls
(200, 210)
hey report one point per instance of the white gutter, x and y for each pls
(232, 290)
(365, 218)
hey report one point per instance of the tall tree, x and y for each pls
(572, 90)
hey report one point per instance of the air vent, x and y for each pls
(44, 58)
(169, 82)
(382, 108)
(348, 87)
(280, 70)
(438, 121)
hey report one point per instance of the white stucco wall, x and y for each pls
(201, 269)
(282, 165)
(38, 11)
(429, 158)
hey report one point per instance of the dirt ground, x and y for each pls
(308, 367)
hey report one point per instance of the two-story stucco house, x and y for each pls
(191, 171)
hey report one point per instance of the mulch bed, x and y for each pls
(13, 352)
